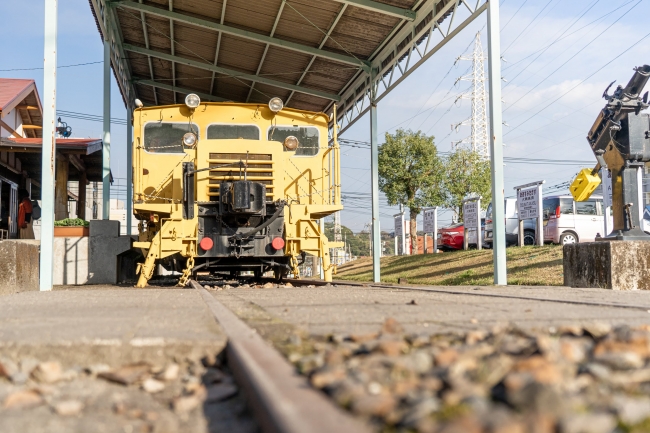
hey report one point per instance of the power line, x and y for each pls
(582, 81)
(58, 67)
(574, 55)
(552, 43)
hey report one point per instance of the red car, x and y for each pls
(451, 238)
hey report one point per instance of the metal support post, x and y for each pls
(496, 144)
(396, 250)
(540, 217)
(129, 168)
(49, 145)
(435, 231)
(106, 152)
(321, 225)
(479, 232)
(374, 159)
(520, 231)
(425, 243)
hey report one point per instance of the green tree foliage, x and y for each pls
(411, 173)
(466, 173)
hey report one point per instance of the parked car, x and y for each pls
(567, 221)
(512, 225)
(646, 220)
(451, 237)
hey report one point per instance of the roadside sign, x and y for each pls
(470, 214)
(429, 217)
(607, 187)
(399, 224)
(527, 203)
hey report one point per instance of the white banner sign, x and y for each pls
(470, 214)
(607, 188)
(399, 225)
(430, 216)
(527, 203)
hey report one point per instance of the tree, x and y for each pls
(467, 174)
(411, 173)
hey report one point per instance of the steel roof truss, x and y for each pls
(266, 47)
(171, 42)
(382, 8)
(146, 44)
(230, 72)
(216, 53)
(175, 89)
(322, 43)
(358, 92)
(199, 22)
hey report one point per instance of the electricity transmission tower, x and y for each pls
(337, 236)
(478, 140)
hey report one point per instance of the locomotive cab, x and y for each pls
(230, 187)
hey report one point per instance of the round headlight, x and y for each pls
(291, 143)
(189, 139)
(192, 100)
(276, 104)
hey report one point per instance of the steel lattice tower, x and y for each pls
(479, 140)
(337, 236)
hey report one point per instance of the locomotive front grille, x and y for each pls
(259, 169)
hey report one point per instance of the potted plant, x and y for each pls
(71, 228)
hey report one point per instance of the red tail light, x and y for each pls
(557, 212)
(206, 244)
(277, 243)
(488, 221)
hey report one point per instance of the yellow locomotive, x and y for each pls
(230, 187)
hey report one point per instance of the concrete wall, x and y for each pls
(71, 261)
(19, 266)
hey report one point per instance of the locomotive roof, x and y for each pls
(310, 53)
(239, 104)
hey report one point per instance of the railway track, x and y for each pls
(281, 400)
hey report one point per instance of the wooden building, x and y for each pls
(77, 160)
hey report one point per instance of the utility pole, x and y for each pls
(479, 139)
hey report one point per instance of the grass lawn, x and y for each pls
(533, 265)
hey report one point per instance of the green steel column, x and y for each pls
(496, 144)
(106, 154)
(129, 168)
(374, 161)
(48, 161)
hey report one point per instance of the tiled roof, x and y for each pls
(14, 90)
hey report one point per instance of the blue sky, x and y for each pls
(596, 32)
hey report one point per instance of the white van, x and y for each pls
(567, 221)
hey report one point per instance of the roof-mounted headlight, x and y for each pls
(276, 104)
(189, 139)
(291, 143)
(192, 100)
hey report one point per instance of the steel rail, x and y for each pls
(458, 292)
(281, 400)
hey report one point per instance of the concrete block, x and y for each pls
(71, 260)
(104, 250)
(107, 228)
(19, 266)
(614, 265)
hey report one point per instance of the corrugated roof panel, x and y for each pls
(284, 65)
(262, 93)
(209, 9)
(240, 54)
(358, 33)
(194, 43)
(257, 16)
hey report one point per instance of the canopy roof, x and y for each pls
(310, 53)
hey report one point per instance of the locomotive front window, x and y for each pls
(307, 138)
(166, 137)
(232, 132)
